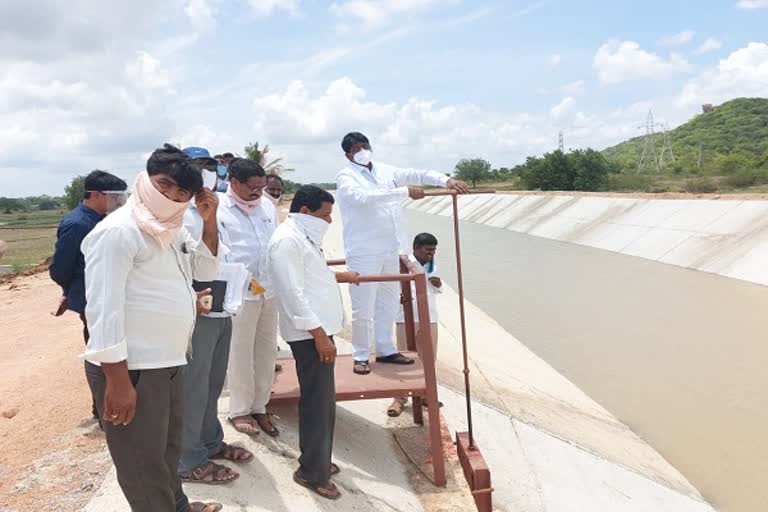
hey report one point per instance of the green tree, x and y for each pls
(47, 203)
(473, 170)
(74, 192)
(10, 204)
(253, 152)
(577, 170)
(590, 169)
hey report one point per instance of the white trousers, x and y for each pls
(252, 358)
(402, 338)
(374, 306)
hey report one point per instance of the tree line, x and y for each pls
(583, 169)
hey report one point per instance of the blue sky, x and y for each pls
(88, 85)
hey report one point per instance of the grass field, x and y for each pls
(30, 237)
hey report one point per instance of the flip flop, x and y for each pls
(318, 488)
(260, 419)
(397, 358)
(361, 368)
(205, 507)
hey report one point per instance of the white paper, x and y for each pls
(237, 278)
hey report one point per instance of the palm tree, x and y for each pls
(253, 152)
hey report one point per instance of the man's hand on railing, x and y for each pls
(348, 277)
(416, 193)
(458, 185)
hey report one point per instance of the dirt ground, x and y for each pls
(52, 455)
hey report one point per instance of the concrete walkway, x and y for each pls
(549, 446)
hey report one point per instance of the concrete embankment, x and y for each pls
(728, 237)
(550, 446)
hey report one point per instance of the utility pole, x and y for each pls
(561, 143)
(648, 156)
(666, 150)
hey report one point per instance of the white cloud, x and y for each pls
(267, 7)
(417, 131)
(743, 73)
(373, 14)
(555, 59)
(201, 14)
(752, 4)
(573, 88)
(617, 62)
(710, 44)
(148, 72)
(686, 36)
(562, 108)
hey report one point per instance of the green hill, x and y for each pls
(733, 138)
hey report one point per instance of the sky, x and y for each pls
(86, 85)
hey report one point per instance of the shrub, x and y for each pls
(741, 179)
(700, 186)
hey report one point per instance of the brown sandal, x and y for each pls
(265, 424)
(335, 470)
(232, 454)
(329, 491)
(209, 473)
(205, 507)
(244, 424)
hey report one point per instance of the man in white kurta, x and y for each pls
(139, 266)
(370, 197)
(311, 313)
(246, 223)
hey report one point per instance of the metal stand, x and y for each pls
(475, 469)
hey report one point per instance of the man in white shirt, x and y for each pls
(370, 198)
(202, 438)
(246, 223)
(311, 313)
(140, 308)
(423, 258)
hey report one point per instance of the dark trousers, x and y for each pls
(204, 377)
(86, 337)
(317, 411)
(146, 451)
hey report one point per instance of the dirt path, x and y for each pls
(52, 455)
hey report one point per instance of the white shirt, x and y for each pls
(247, 237)
(140, 302)
(226, 271)
(305, 287)
(371, 205)
(432, 292)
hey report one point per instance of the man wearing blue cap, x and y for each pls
(202, 437)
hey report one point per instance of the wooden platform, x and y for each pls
(384, 381)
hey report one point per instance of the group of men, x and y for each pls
(183, 285)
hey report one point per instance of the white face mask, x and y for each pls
(315, 227)
(275, 200)
(209, 179)
(363, 157)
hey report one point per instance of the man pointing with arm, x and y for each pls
(370, 198)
